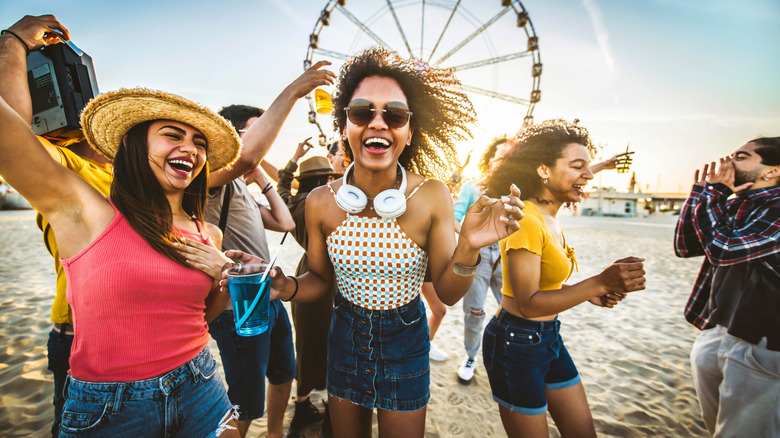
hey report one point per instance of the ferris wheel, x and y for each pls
(491, 44)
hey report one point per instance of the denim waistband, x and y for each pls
(539, 326)
(138, 389)
(340, 300)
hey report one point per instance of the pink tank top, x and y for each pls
(136, 313)
(377, 265)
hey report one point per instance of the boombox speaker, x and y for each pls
(62, 80)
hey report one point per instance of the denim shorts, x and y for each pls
(246, 360)
(379, 358)
(189, 401)
(524, 358)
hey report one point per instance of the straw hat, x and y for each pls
(108, 117)
(316, 166)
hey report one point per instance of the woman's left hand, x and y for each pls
(489, 220)
(204, 258)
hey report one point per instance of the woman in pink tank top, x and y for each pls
(378, 227)
(140, 363)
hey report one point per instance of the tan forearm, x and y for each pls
(13, 86)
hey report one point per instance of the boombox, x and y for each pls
(62, 80)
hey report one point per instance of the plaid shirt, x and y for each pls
(728, 232)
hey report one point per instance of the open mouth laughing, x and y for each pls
(181, 166)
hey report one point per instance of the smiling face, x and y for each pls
(177, 153)
(569, 175)
(375, 145)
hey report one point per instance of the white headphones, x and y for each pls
(388, 204)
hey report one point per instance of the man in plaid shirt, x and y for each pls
(736, 298)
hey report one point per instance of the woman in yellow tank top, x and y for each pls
(528, 366)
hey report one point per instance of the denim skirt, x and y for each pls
(379, 358)
(189, 401)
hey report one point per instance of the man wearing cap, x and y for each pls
(312, 320)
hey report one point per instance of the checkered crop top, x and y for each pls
(377, 265)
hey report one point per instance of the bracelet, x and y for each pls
(466, 271)
(266, 188)
(5, 31)
(296, 289)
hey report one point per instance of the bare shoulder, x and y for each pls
(432, 191)
(215, 233)
(321, 195)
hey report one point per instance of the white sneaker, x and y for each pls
(437, 355)
(466, 371)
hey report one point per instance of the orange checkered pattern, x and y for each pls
(377, 265)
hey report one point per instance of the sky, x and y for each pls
(682, 82)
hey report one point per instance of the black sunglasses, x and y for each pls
(361, 113)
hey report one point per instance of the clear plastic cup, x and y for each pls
(250, 298)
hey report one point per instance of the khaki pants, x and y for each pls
(738, 384)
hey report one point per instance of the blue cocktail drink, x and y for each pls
(249, 294)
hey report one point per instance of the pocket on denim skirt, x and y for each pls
(407, 369)
(81, 417)
(412, 314)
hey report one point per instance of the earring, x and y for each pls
(765, 178)
(546, 181)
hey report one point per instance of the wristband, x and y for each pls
(466, 271)
(296, 289)
(5, 31)
(266, 188)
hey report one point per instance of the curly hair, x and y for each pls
(489, 154)
(441, 110)
(536, 145)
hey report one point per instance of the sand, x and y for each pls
(633, 358)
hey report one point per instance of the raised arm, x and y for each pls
(77, 212)
(26, 35)
(261, 135)
(686, 241)
(487, 221)
(286, 174)
(32, 34)
(277, 217)
(728, 242)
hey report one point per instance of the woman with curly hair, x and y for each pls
(528, 366)
(378, 227)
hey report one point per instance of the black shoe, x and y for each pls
(327, 429)
(305, 415)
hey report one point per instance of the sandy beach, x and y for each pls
(633, 358)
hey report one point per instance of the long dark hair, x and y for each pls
(539, 144)
(442, 111)
(138, 195)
